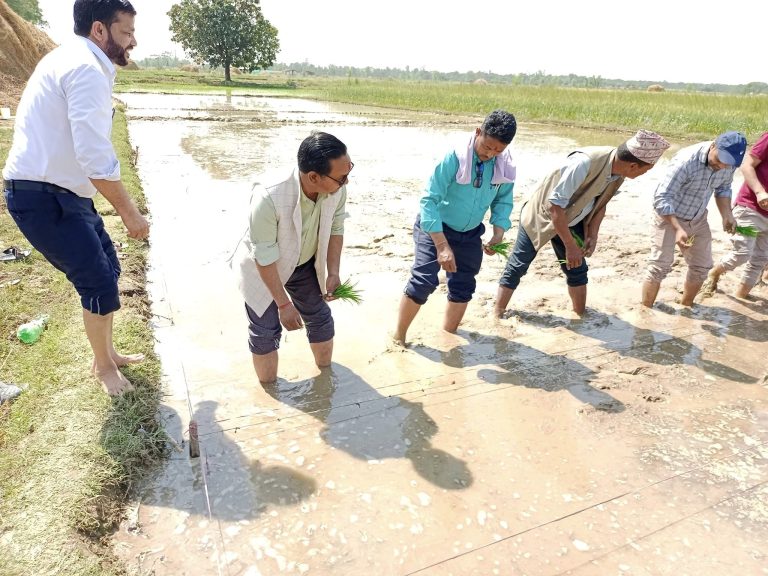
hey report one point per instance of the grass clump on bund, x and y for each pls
(68, 452)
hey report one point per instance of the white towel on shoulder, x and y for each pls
(504, 169)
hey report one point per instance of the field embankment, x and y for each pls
(69, 453)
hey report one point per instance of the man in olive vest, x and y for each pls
(568, 207)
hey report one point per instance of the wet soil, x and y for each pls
(631, 441)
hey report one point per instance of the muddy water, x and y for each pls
(629, 442)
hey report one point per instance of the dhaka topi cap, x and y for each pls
(647, 146)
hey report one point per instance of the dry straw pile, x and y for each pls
(21, 47)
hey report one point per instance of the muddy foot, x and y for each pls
(708, 289)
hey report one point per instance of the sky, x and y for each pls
(654, 40)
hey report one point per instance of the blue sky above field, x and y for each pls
(670, 40)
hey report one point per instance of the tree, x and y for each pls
(27, 9)
(225, 33)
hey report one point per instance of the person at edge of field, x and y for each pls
(568, 207)
(478, 175)
(290, 257)
(751, 209)
(680, 204)
(62, 156)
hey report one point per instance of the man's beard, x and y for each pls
(115, 52)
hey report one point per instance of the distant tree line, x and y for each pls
(27, 9)
(536, 79)
(164, 60)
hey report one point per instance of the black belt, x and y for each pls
(32, 186)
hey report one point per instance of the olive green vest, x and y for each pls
(535, 217)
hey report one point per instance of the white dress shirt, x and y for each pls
(64, 121)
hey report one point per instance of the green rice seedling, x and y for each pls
(347, 291)
(750, 231)
(578, 239)
(690, 241)
(502, 249)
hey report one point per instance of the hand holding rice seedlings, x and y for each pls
(579, 240)
(689, 243)
(749, 231)
(502, 249)
(347, 291)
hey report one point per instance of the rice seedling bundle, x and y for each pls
(750, 231)
(347, 291)
(502, 249)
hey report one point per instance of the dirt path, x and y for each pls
(629, 442)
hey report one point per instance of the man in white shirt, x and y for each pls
(62, 156)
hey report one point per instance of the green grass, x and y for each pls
(180, 82)
(68, 452)
(673, 114)
(680, 115)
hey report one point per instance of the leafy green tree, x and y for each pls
(27, 9)
(225, 33)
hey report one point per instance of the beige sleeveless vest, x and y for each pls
(535, 217)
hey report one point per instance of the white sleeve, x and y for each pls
(89, 108)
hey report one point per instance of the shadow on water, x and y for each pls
(651, 346)
(362, 422)
(729, 322)
(522, 365)
(237, 487)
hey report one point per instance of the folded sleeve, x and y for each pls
(337, 227)
(501, 207)
(263, 230)
(89, 109)
(572, 176)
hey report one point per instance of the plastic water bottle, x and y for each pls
(29, 333)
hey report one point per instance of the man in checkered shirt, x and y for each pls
(680, 204)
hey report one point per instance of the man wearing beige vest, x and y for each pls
(568, 207)
(289, 259)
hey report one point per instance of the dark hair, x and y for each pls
(623, 154)
(86, 12)
(317, 150)
(500, 125)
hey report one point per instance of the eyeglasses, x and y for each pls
(478, 181)
(343, 180)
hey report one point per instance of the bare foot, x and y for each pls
(397, 344)
(125, 359)
(710, 287)
(112, 381)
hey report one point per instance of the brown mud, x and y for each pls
(630, 441)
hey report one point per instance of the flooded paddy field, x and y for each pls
(627, 442)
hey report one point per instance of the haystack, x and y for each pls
(21, 47)
(131, 65)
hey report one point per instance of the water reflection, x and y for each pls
(369, 426)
